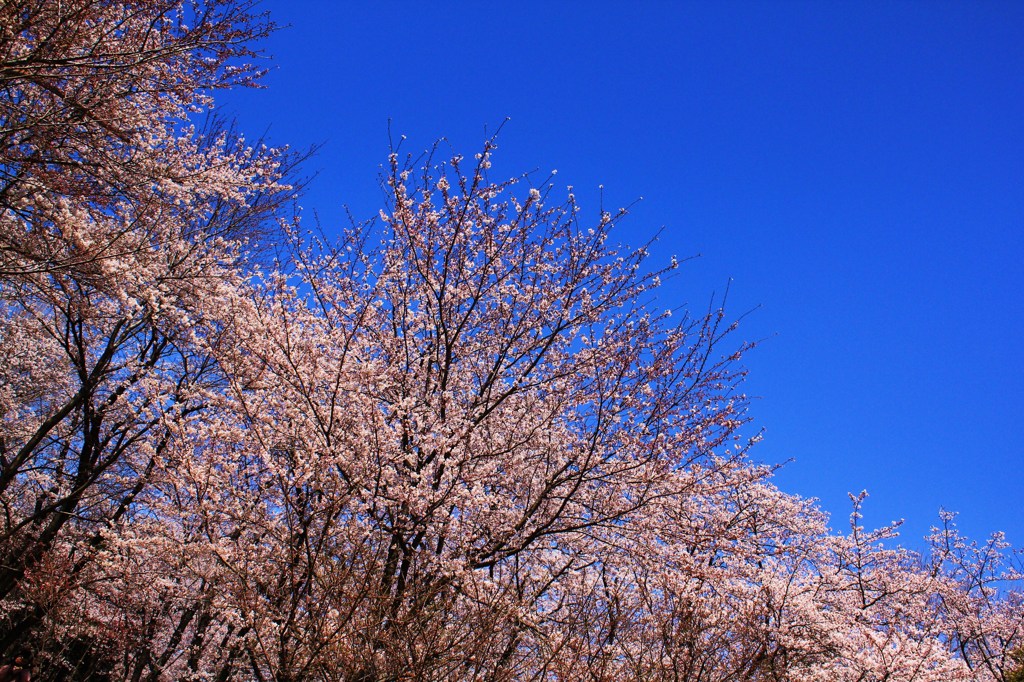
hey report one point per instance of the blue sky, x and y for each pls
(856, 170)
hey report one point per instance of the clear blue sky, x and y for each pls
(856, 168)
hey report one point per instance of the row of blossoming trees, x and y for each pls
(453, 445)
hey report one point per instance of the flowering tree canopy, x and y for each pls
(455, 443)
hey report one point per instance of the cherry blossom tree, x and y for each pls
(475, 409)
(121, 225)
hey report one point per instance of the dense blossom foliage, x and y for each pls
(452, 444)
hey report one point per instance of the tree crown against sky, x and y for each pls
(855, 169)
(455, 443)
